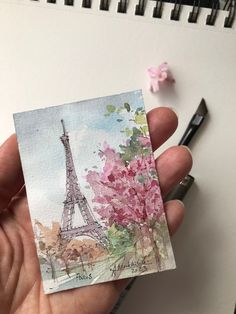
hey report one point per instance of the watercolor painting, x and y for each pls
(93, 191)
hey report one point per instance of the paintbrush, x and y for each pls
(181, 189)
(194, 123)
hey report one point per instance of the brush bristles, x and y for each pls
(202, 108)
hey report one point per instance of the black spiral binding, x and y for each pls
(104, 5)
(140, 7)
(193, 15)
(86, 4)
(175, 15)
(230, 6)
(122, 6)
(211, 18)
(157, 11)
(69, 2)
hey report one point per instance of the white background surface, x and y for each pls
(54, 56)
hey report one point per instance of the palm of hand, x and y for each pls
(20, 279)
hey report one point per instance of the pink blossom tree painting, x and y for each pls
(126, 192)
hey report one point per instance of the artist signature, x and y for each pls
(138, 266)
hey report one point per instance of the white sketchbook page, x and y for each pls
(55, 55)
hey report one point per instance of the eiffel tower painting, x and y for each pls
(75, 200)
(80, 242)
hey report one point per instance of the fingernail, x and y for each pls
(181, 203)
(187, 148)
(175, 111)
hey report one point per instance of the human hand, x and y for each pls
(20, 280)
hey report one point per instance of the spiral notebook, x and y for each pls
(55, 52)
(60, 51)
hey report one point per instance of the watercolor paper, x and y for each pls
(93, 191)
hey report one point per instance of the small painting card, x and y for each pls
(93, 191)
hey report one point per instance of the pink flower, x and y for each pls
(157, 75)
(144, 141)
(126, 193)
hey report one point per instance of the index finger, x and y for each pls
(162, 123)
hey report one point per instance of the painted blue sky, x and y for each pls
(42, 153)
